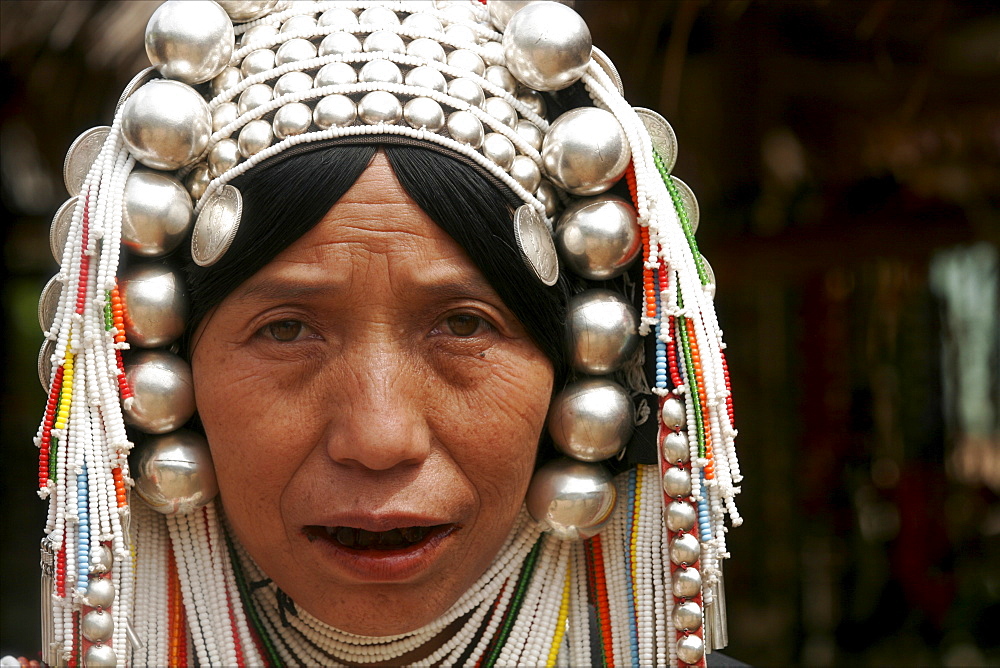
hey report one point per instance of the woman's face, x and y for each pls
(373, 410)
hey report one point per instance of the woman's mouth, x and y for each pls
(392, 555)
(401, 538)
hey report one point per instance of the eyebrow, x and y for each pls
(274, 290)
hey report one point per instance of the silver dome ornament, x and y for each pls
(334, 111)
(425, 76)
(500, 76)
(156, 305)
(247, 10)
(292, 82)
(535, 243)
(591, 419)
(690, 648)
(292, 119)
(661, 134)
(228, 78)
(675, 447)
(174, 473)
(256, 62)
(492, 53)
(685, 549)
(224, 114)
(687, 616)
(294, 50)
(197, 180)
(100, 656)
(677, 482)
(335, 74)
(259, 33)
(163, 391)
(339, 44)
(499, 149)
(526, 172)
(157, 213)
(689, 202)
(586, 151)
(298, 24)
(166, 125)
(465, 59)
(216, 226)
(48, 303)
(530, 133)
(601, 331)
(673, 413)
(224, 156)
(686, 582)
(680, 516)
(384, 40)
(254, 96)
(501, 11)
(459, 34)
(598, 237)
(466, 90)
(425, 48)
(499, 109)
(190, 40)
(548, 196)
(97, 626)
(380, 107)
(101, 560)
(425, 22)
(100, 592)
(533, 100)
(457, 11)
(59, 229)
(464, 127)
(81, 156)
(255, 137)
(380, 71)
(423, 112)
(573, 500)
(378, 16)
(547, 46)
(338, 16)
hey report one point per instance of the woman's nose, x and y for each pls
(380, 423)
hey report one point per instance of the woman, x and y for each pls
(383, 354)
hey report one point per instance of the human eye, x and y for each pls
(464, 325)
(286, 331)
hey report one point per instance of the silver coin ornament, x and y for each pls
(100, 592)
(255, 137)
(380, 107)
(598, 238)
(687, 616)
(601, 331)
(687, 582)
(709, 274)
(190, 40)
(591, 419)
(174, 473)
(292, 119)
(609, 68)
(586, 151)
(163, 390)
(680, 516)
(100, 656)
(247, 10)
(689, 202)
(97, 626)
(535, 243)
(573, 500)
(44, 363)
(423, 112)
(677, 482)
(501, 11)
(48, 303)
(158, 213)
(334, 111)
(690, 648)
(82, 154)
(138, 81)
(675, 447)
(465, 128)
(547, 46)
(216, 227)
(59, 229)
(156, 305)
(673, 413)
(661, 134)
(166, 125)
(685, 549)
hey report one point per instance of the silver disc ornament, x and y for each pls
(82, 154)
(573, 500)
(535, 243)
(216, 226)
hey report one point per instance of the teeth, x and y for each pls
(345, 536)
(387, 540)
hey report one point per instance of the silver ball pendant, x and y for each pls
(466, 128)
(97, 626)
(224, 156)
(500, 110)
(226, 79)
(258, 33)
(677, 482)
(601, 331)
(335, 74)
(101, 560)
(190, 40)
(675, 447)
(425, 22)
(425, 76)
(381, 71)
(100, 656)
(384, 40)
(591, 420)
(687, 616)
(197, 180)
(423, 112)
(687, 582)
(425, 48)
(530, 133)
(586, 151)
(673, 413)
(334, 111)
(163, 390)
(253, 97)
(292, 82)
(573, 500)
(547, 195)
(501, 11)
(547, 46)
(380, 107)
(256, 62)
(680, 516)
(526, 172)
(598, 237)
(100, 592)
(533, 100)
(338, 16)
(224, 114)
(499, 149)
(247, 10)
(690, 649)
(166, 124)
(174, 473)
(340, 44)
(255, 137)
(156, 305)
(466, 90)
(501, 77)
(294, 50)
(464, 59)
(157, 213)
(292, 119)
(378, 16)
(685, 549)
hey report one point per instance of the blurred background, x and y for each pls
(846, 157)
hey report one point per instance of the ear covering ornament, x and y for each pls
(236, 83)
